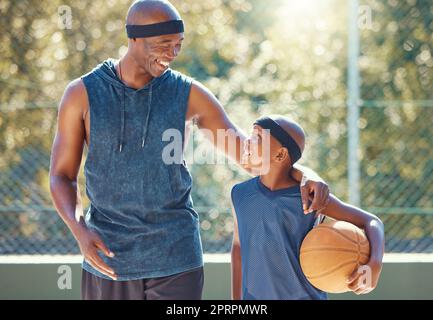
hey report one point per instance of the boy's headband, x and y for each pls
(282, 136)
(156, 29)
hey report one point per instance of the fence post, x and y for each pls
(353, 98)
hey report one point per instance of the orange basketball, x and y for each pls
(331, 252)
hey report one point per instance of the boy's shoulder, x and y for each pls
(243, 186)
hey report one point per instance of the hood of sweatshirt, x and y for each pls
(107, 71)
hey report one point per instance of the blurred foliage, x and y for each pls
(258, 57)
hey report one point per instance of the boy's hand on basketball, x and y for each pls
(90, 243)
(318, 191)
(365, 278)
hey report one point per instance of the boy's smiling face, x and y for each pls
(263, 151)
(259, 149)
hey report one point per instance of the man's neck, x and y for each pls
(131, 73)
(277, 178)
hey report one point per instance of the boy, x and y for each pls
(269, 222)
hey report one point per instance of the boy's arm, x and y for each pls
(236, 265)
(374, 230)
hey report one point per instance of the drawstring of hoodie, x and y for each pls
(122, 120)
(146, 123)
(122, 115)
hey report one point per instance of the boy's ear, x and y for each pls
(282, 155)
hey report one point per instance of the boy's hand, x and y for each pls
(365, 278)
(318, 190)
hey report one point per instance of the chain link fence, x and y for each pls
(396, 132)
(396, 184)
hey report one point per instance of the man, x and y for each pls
(141, 216)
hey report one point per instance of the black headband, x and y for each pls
(282, 136)
(156, 29)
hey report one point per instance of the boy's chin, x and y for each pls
(255, 170)
(245, 162)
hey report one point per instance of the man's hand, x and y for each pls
(90, 243)
(318, 191)
(364, 279)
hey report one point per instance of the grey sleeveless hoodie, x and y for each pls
(140, 206)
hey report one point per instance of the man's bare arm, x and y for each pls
(66, 154)
(210, 115)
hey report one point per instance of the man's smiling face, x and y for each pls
(155, 54)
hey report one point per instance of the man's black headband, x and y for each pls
(282, 136)
(156, 29)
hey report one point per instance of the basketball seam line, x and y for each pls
(342, 234)
(334, 249)
(332, 270)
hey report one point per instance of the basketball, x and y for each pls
(331, 252)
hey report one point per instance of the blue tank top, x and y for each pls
(271, 226)
(140, 206)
